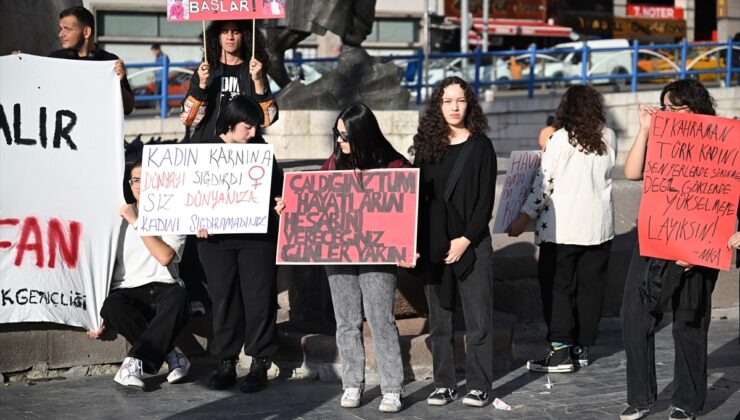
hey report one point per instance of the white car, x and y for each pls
(601, 63)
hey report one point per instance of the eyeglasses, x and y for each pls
(341, 134)
(673, 108)
(134, 181)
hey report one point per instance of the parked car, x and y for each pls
(601, 63)
(178, 83)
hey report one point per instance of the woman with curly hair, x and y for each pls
(653, 284)
(571, 203)
(227, 71)
(458, 172)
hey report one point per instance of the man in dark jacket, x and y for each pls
(77, 37)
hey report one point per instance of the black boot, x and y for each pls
(256, 379)
(225, 375)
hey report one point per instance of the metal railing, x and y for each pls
(534, 68)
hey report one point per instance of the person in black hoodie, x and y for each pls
(458, 173)
(241, 272)
(227, 72)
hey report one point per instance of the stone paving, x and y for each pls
(593, 392)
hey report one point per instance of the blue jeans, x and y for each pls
(372, 287)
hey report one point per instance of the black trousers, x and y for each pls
(150, 317)
(477, 304)
(690, 340)
(241, 281)
(572, 283)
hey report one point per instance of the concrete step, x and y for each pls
(311, 355)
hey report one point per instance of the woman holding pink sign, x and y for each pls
(355, 289)
(653, 283)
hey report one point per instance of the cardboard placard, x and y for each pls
(690, 190)
(349, 217)
(522, 171)
(196, 10)
(224, 188)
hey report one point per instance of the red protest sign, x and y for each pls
(348, 217)
(194, 10)
(691, 188)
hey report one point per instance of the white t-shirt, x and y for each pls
(571, 198)
(135, 266)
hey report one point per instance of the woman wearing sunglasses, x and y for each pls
(650, 280)
(360, 145)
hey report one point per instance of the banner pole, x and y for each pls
(254, 31)
(205, 52)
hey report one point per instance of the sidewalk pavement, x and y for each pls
(593, 392)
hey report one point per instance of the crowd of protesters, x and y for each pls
(229, 101)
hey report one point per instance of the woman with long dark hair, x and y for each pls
(571, 201)
(458, 171)
(360, 145)
(653, 284)
(229, 69)
(241, 272)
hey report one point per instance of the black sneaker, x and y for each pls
(225, 375)
(256, 379)
(579, 355)
(475, 398)
(633, 413)
(556, 361)
(680, 414)
(442, 396)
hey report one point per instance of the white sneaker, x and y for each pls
(351, 398)
(391, 403)
(130, 373)
(179, 365)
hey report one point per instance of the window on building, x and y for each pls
(395, 31)
(144, 25)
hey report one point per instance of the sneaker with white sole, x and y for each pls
(130, 374)
(442, 396)
(178, 364)
(681, 414)
(391, 403)
(633, 413)
(351, 398)
(475, 398)
(579, 355)
(556, 361)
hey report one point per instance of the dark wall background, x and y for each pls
(31, 25)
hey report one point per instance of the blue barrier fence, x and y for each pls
(584, 65)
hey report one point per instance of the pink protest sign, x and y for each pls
(690, 189)
(347, 217)
(195, 10)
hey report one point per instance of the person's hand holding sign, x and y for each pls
(279, 205)
(203, 73)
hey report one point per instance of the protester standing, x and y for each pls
(653, 284)
(77, 38)
(360, 145)
(227, 72)
(571, 202)
(458, 172)
(241, 271)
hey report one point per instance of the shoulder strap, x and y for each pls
(457, 169)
